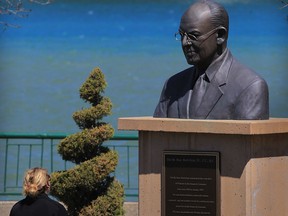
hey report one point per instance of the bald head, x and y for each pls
(198, 9)
(208, 11)
(204, 29)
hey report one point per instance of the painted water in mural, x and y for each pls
(44, 62)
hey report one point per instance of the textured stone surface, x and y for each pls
(248, 127)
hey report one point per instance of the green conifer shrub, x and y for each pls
(89, 189)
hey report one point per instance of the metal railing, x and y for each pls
(21, 151)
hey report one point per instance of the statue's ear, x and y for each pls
(221, 35)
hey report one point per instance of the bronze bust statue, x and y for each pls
(217, 86)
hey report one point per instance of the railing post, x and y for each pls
(18, 161)
(42, 151)
(51, 154)
(6, 160)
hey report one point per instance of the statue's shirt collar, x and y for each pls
(216, 65)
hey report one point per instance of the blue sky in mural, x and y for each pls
(44, 62)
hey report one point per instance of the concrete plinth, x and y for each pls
(253, 167)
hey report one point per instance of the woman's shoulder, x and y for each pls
(52, 202)
(17, 207)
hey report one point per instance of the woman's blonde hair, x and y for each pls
(36, 181)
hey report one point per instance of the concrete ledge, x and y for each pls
(5, 207)
(244, 127)
(131, 208)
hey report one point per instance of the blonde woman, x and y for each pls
(36, 186)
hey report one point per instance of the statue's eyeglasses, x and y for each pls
(191, 38)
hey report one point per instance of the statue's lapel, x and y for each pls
(216, 89)
(211, 97)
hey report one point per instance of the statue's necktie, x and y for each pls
(199, 90)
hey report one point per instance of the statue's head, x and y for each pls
(204, 32)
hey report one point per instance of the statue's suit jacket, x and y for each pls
(235, 92)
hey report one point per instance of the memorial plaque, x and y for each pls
(190, 183)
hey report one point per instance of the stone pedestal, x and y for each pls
(253, 161)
